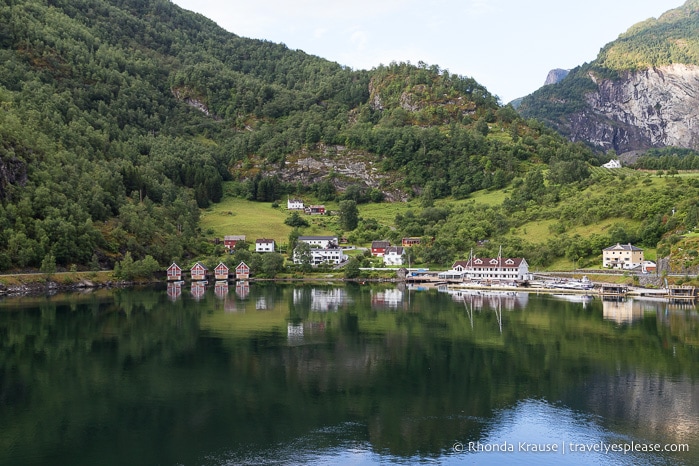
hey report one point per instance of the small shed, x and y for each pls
(174, 273)
(199, 272)
(242, 271)
(221, 271)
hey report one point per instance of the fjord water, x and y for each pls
(357, 374)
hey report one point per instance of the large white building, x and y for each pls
(324, 256)
(622, 256)
(499, 268)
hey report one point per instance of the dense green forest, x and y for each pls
(668, 158)
(120, 119)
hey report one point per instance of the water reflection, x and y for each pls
(296, 374)
(321, 299)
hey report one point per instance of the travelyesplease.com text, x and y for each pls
(568, 447)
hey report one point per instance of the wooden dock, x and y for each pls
(683, 293)
(613, 290)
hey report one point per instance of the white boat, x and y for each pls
(583, 284)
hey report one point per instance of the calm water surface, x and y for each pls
(275, 374)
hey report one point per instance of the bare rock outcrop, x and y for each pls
(656, 107)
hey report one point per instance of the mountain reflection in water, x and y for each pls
(280, 374)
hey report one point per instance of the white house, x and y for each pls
(612, 164)
(322, 242)
(294, 204)
(394, 255)
(264, 245)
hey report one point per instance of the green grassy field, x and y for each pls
(255, 220)
(385, 213)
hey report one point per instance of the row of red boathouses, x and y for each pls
(200, 272)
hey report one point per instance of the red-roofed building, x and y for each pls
(378, 248)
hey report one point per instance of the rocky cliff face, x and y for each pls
(555, 76)
(13, 171)
(652, 108)
(343, 167)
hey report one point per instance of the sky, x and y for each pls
(508, 46)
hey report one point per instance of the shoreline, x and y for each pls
(39, 284)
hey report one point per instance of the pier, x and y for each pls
(684, 293)
(613, 290)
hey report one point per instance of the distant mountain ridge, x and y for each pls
(121, 119)
(642, 91)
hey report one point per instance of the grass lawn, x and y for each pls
(534, 232)
(233, 216)
(241, 217)
(385, 212)
(490, 198)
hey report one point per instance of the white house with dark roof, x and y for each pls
(614, 163)
(322, 242)
(394, 255)
(622, 256)
(264, 245)
(294, 204)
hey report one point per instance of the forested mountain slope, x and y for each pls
(120, 119)
(640, 92)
